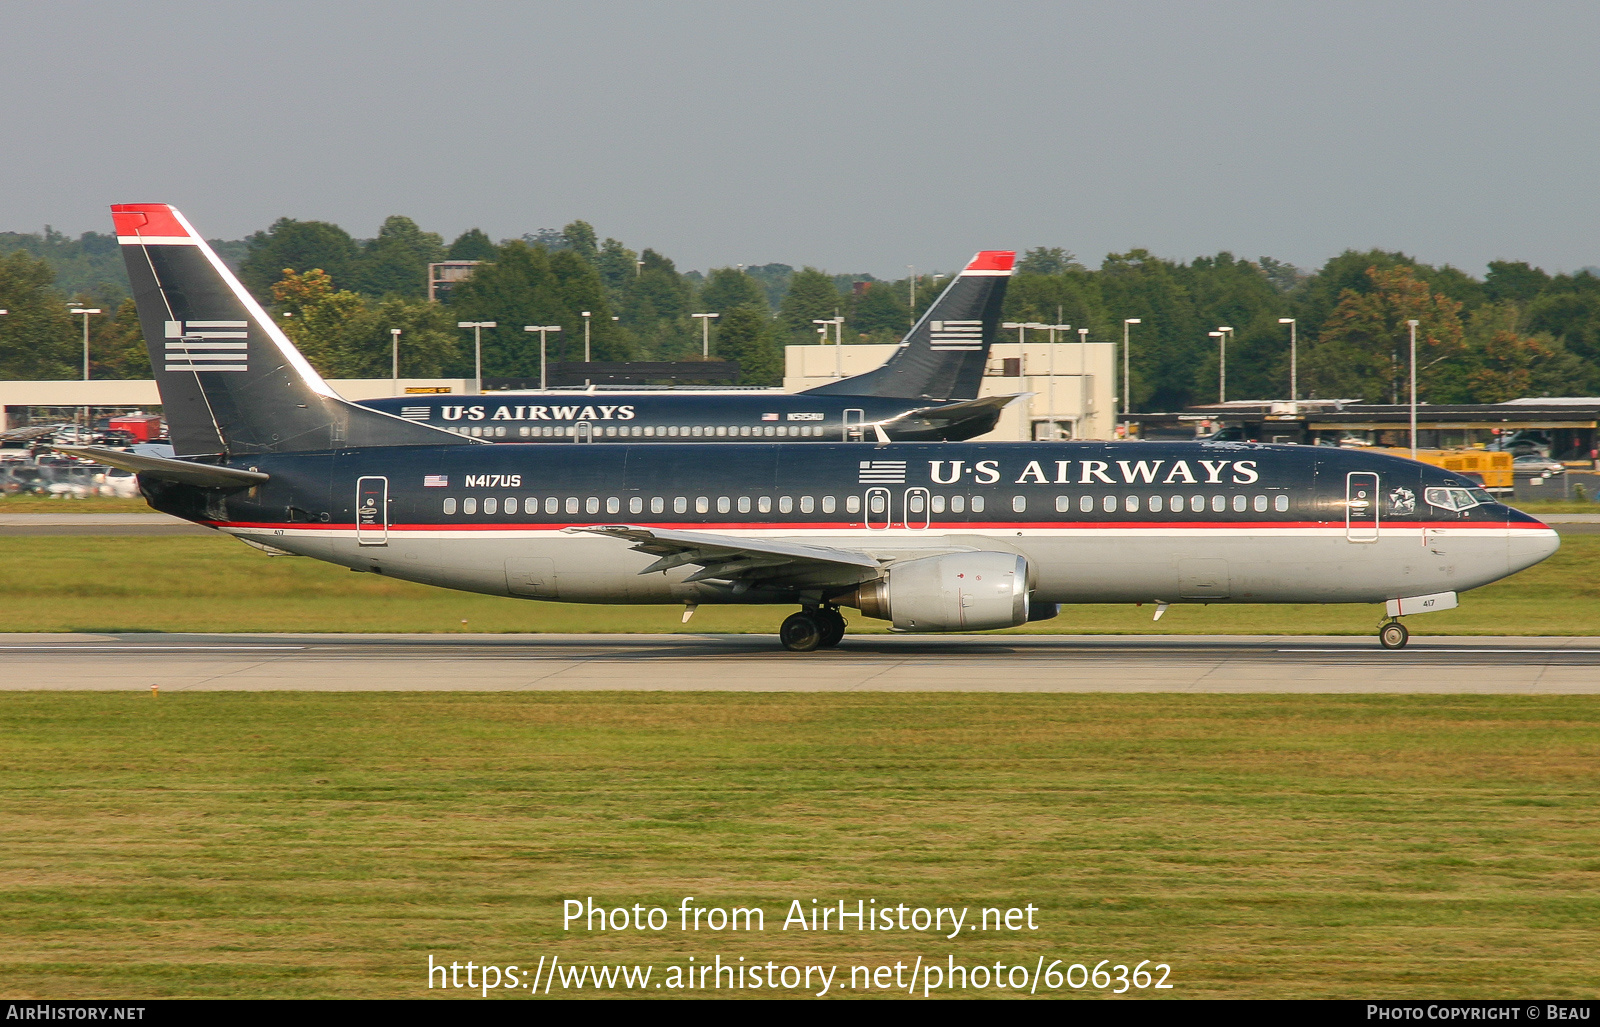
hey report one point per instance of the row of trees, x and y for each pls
(1517, 331)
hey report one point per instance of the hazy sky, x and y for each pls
(854, 136)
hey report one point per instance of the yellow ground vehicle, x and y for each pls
(1493, 469)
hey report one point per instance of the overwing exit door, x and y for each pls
(1361, 506)
(372, 511)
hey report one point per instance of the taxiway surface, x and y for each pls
(755, 663)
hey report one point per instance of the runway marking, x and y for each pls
(101, 648)
(1544, 652)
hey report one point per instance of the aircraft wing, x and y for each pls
(206, 476)
(953, 422)
(744, 560)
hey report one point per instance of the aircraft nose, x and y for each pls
(1529, 544)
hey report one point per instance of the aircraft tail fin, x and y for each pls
(231, 382)
(944, 354)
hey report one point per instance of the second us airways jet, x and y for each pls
(930, 537)
(926, 391)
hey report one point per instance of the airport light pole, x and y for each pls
(477, 350)
(1294, 360)
(1055, 428)
(586, 314)
(705, 333)
(1413, 324)
(912, 268)
(542, 330)
(1222, 366)
(85, 311)
(1127, 404)
(394, 336)
(838, 340)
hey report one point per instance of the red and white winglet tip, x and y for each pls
(151, 224)
(992, 262)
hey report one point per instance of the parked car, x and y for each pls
(1533, 464)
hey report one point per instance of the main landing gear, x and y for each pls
(1393, 635)
(818, 627)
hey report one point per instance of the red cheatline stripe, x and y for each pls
(712, 527)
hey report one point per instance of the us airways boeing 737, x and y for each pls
(930, 537)
(926, 391)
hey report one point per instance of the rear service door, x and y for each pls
(853, 426)
(372, 511)
(1361, 506)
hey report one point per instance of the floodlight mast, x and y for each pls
(1126, 392)
(1294, 369)
(477, 350)
(542, 330)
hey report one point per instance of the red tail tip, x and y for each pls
(993, 260)
(154, 219)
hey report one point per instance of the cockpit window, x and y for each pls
(1456, 498)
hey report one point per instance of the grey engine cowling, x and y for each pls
(955, 592)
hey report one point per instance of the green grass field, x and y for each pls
(182, 583)
(317, 845)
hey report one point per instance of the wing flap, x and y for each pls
(727, 558)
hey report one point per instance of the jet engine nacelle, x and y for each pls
(956, 592)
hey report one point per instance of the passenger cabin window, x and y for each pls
(914, 502)
(724, 504)
(852, 504)
(785, 504)
(680, 504)
(828, 504)
(635, 504)
(613, 504)
(764, 504)
(875, 502)
(552, 505)
(1019, 504)
(1239, 503)
(1259, 504)
(938, 504)
(744, 504)
(1219, 503)
(1280, 503)
(1197, 504)
(1108, 504)
(657, 505)
(1086, 504)
(1155, 504)
(702, 505)
(511, 506)
(958, 504)
(489, 505)
(809, 503)
(977, 504)
(591, 505)
(1130, 504)
(469, 506)
(572, 504)
(449, 506)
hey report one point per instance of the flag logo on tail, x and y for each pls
(956, 335)
(882, 472)
(208, 346)
(415, 413)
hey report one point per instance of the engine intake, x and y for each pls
(955, 592)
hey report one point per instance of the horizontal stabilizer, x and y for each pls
(206, 476)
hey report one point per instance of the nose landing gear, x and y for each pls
(1393, 635)
(820, 627)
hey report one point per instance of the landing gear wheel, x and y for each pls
(801, 633)
(832, 622)
(1393, 635)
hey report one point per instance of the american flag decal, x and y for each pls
(415, 413)
(435, 481)
(957, 335)
(769, 417)
(882, 472)
(208, 346)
